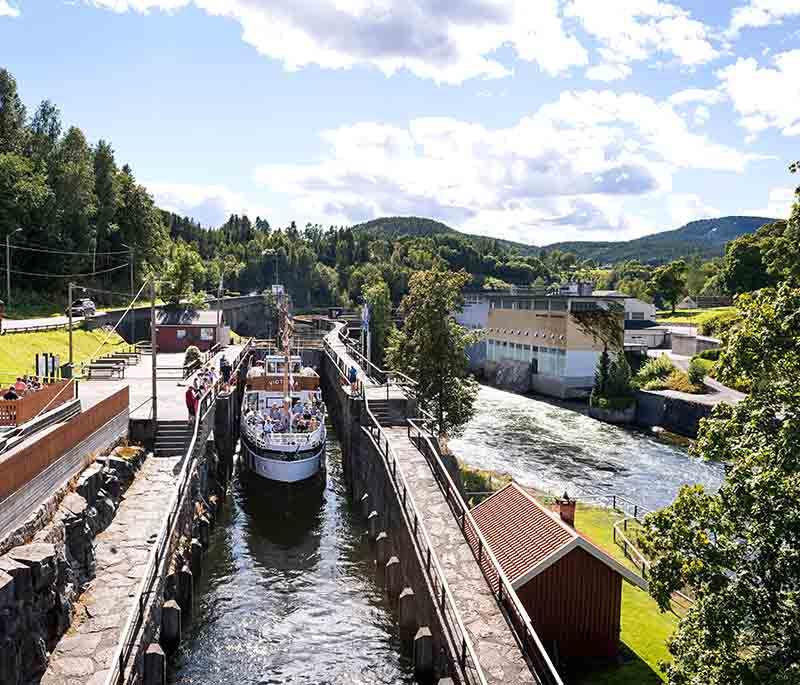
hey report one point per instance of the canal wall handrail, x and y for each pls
(467, 662)
(500, 586)
(159, 553)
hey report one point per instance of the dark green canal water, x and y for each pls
(291, 598)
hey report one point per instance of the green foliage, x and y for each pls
(380, 323)
(717, 324)
(613, 403)
(657, 369)
(697, 372)
(668, 283)
(619, 377)
(601, 374)
(431, 348)
(184, 269)
(606, 326)
(191, 355)
(738, 549)
(12, 115)
(711, 355)
(743, 269)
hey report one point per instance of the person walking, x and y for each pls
(352, 376)
(191, 403)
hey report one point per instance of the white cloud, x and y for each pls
(211, 205)
(690, 95)
(765, 97)
(686, 207)
(779, 203)
(633, 30)
(759, 13)
(141, 6)
(446, 42)
(567, 169)
(701, 115)
(7, 10)
(608, 72)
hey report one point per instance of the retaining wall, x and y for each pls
(675, 414)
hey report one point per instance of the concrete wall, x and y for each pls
(371, 489)
(690, 345)
(674, 414)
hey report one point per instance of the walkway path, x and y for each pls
(719, 392)
(495, 645)
(84, 653)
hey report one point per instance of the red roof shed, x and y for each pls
(571, 589)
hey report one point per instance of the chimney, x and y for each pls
(566, 509)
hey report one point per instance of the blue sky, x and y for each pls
(532, 120)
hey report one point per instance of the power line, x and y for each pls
(92, 273)
(107, 292)
(52, 251)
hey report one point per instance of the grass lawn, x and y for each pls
(690, 316)
(18, 350)
(644, 628)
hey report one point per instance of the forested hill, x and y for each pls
(705, 238)
(393, 227)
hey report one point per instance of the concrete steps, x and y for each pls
(387, 413)
(172, 438)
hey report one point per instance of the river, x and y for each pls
(291, 600)
(554, 448)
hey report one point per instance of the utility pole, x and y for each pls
(8, 265)
(133, 310)
(154, 345)
(69, 314)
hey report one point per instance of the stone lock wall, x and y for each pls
(48, 561)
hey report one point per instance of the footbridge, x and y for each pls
(448, 586)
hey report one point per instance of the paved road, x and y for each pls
(32, 324)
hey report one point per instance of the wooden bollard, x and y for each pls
(170, 625)
(392, 577)
(155, 665)
(382, 548)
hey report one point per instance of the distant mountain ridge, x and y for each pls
(705, 238)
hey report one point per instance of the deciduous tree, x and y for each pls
(431, 348)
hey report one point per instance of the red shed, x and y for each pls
(571, 589)
(179, 327)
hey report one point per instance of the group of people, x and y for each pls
(24, 385)
(302, 417)
(204, 380)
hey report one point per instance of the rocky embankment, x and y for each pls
(47, 562)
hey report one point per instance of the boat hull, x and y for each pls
(280, 470)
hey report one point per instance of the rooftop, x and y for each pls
(186, 316)
(526, 537)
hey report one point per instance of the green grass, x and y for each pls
(18, 350)
(690, 316)
(645, 629)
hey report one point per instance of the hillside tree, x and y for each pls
(668, 283)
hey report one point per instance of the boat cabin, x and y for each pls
(268, 375)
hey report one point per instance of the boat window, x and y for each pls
(271, 367)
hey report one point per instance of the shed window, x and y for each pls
(206, 334)
(180, 333)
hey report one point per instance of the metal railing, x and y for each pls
(160, 552)
(499, 584)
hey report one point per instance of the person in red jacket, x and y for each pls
(191, 403)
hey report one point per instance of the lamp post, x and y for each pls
(133, 311)
(8, 265)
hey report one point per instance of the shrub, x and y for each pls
(191, 355)
(712, 355)
(655, 369)
(619, 378)
(616, 403)
(680, 382)
(715, 324)
(697, 371)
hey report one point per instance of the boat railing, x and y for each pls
(266, 440)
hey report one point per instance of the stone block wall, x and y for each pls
(48, 561)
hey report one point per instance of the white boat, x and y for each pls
(283, 420)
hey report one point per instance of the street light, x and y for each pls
(8, 265)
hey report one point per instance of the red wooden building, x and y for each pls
(571, 589)
(179, 327)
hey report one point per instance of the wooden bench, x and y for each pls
(130, 358)
(104, 369)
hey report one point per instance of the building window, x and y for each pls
(180, 333)
(206, 334)
(637, 316)
(584, 306)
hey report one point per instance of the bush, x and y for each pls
(712, 355)
(680, 382)
(698, 371)
(656, 369)
(191, 355)
(715, 324)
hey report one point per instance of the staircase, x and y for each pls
(172, 438)
(388, 412)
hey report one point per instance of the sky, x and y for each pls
(531, 120)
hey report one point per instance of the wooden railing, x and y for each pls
(20, 466)
(16, 412)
